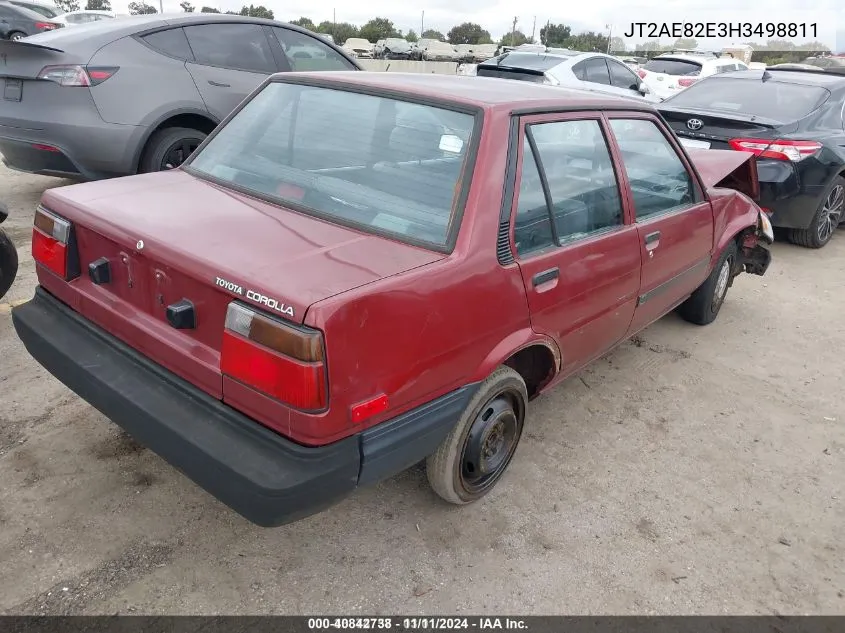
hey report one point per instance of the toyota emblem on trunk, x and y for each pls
(695, 124)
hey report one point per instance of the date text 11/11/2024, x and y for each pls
(416, 623)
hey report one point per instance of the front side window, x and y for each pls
(659, 180)
(305, 53)
(621, 76)
(235, 46)
(582, 186)
(375, 163)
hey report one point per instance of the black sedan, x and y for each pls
(17, 22)
(793, 121)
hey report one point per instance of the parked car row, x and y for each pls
(421, 50)
(21, 18)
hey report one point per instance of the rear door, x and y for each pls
(623, 78)
(577, 249)
(674, 221)
(230, 61)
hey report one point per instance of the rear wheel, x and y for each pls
(16, 35)
(704, 304)
(170, 147)
(830, 213)
(475, 455)
(8, 263)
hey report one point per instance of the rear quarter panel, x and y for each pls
(148, 86)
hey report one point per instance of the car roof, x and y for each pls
(787, 75)
(88, 38)
(483, 92)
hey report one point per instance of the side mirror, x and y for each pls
(643, 89)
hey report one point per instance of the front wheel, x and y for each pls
(704, 304)
(827, 217)
(17, 35)
(8, 263)
(475, 455)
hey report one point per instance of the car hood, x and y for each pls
(727, 168)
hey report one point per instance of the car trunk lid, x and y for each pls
(170, 237)
(718, 128)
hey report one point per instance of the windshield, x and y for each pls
(375, 163)
(771, 99)
(673, 67)
(527, 61)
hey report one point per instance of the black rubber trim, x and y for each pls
(666, 285)
(394, 446)
(261, 475)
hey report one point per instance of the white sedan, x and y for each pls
(75, 18)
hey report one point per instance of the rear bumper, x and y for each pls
(261, 475)
(82, 151)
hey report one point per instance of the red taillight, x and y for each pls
(686, 82)
(45, 148)
(779, 150)
(46, 26)
(279, 360)
(52, 244)
(77, 76)
(642, 73)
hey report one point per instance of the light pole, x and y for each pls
(609, 28)
(422, 23)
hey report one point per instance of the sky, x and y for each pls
(497, 16)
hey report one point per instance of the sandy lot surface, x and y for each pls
(693, 470)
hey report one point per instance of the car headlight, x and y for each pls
(766, 229)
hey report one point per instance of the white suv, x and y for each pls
(669, 73)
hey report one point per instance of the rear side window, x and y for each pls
(371, 162)
(595, 71)
(581, 184)
(772, 99)
(673, 67)
(170, 42)
(235, 46)
(305, 53)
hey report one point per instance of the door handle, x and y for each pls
(545, 276)
(652, 238)
(218, 84)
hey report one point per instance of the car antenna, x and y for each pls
(766, 76)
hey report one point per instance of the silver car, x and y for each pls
(122, 96)
(573, 69)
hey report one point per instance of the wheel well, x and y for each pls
(188, 120)
(536, 364)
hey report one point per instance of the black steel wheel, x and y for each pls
(170, 147)
(475, 455)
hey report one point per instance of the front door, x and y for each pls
(577, 249)
(230, 61)
(674, 222)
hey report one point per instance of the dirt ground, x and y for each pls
(693, 470)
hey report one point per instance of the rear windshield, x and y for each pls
(371, 162)
(673, 67)
(504, 73)
(526, 61)
(771, 99)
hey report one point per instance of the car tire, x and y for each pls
(16, 35)
(492, 421)
(169, 143)
(703, 306)
(8, 263)
(829, 214)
